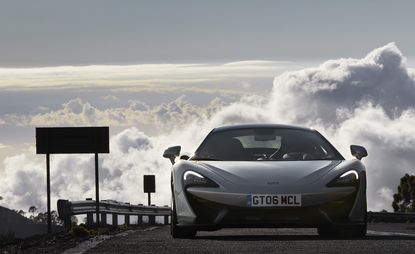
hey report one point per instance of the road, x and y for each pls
(381, 238)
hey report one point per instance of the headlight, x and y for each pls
(191, 178)
(349, 178)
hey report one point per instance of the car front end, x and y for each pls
(209, 201)
(268, 176)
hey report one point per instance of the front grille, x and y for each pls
(211, 213)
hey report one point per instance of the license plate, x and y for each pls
(273, 200)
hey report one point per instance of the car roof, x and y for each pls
(251, 126)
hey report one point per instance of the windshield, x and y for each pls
(266, 144)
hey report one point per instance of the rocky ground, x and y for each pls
(59, 242)
(381, 238)
(400, 233)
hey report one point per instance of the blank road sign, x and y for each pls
(62, 140)
(149, 183)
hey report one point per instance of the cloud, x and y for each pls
(72, 176)
(385, 195)
(144, 76)
(110, 98)
(380, 77)
(367, 101)
(18, 120)
(175, 113)
(2, 146)
(22, 176)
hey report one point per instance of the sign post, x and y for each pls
(71, 140)
(96, 188)
(48, 192)
(149, 186)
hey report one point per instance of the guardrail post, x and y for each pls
(127, 219)
(166, 217)
(151, 219)
(104, 219)
(139, 219)
(64, 211)
(89, 219)
(115, 219)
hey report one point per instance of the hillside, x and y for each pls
(20, 226)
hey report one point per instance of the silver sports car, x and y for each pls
(267, 175)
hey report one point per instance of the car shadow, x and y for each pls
(295, 238)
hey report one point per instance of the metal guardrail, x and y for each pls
(390, 217)
(68, 208)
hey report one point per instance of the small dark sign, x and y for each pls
(149, 183)
(63, 140)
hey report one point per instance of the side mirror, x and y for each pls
(358, 151)
(172, 152)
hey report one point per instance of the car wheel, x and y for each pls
(177, 231)
(358, 231)
(355, 231)
(326, 231)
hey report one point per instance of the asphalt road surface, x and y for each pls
(381, 238)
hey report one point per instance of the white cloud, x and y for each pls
(18, 120)
(366, 101)
(165, 116)
(2, 146)
(110, 98)
(72, 176)
(150, 76)
(369, 101)
(380, 77)
(384, 196)
(21, 180)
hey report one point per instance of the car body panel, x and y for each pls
(263, 173)
(240, 199)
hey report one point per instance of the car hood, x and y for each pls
(268, 173)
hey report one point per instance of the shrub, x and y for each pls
(80, 231)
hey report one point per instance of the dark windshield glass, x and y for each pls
(266, 144)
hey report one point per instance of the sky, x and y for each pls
(50, 33)
(163, 73)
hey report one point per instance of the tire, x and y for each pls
(326, 232)
(347, 231)
(354, 231)
(357, 231)
(177, 231)
(344, 231)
